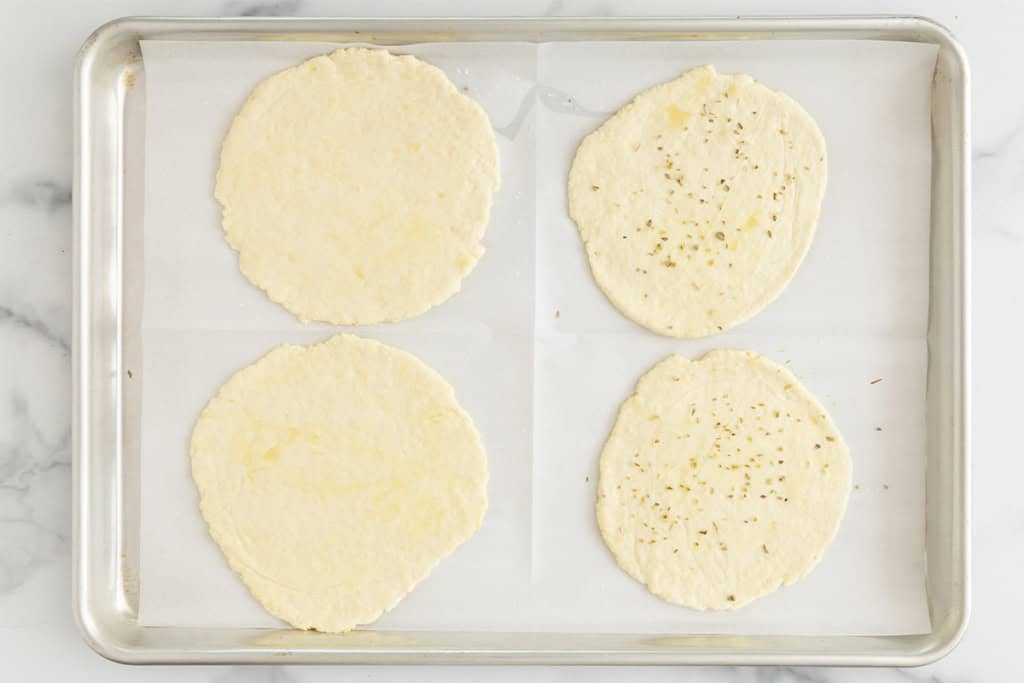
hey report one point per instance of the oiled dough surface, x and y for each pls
(356, 187)
(723, 479)
(334, 478)
(698, 200)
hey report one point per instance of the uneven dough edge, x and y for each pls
(492, 174)
(606, 522)
(252, 580)
(769, 294)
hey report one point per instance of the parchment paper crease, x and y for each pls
(538, 356)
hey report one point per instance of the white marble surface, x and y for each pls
(39, 41)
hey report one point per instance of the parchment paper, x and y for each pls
(538, 356)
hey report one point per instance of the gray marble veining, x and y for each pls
(998, 180)
(35, 444)
(280, 8)
(10, 316)
(44, 194)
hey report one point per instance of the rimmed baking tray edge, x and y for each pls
(103, 610)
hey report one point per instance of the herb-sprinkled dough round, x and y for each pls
(334, 478)
(723, 480)
(356, 187)
(698, 200)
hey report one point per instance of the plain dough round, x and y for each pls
(698, 200)
(356, 187)
(722, 480)
(334, 477)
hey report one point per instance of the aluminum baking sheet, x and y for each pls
(542, 576)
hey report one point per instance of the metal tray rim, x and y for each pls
(112, 634)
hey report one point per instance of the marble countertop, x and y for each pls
(37, 633)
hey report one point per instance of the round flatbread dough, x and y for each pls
(698, 200)
(356, 187)
(334, 478)
(722, 480)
